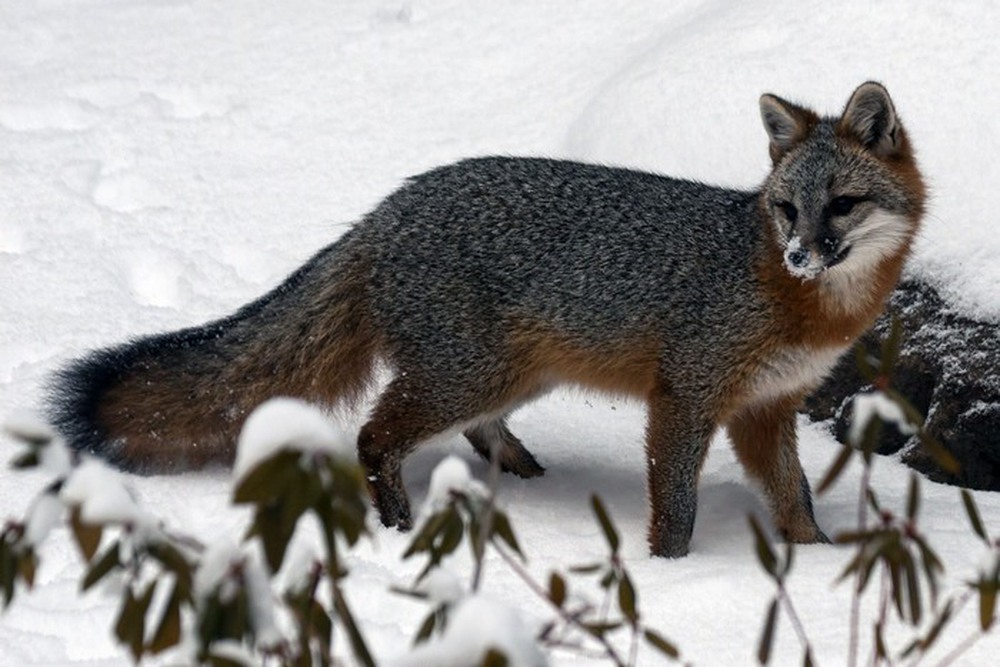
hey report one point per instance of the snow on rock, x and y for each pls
(287, 424)
(477, 625)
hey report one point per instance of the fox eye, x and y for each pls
(843, 205)
(788, 208)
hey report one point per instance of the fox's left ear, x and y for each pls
(870, 118)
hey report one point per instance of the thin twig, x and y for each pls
(786, 601)
(852, 653)
(492, 482)
(523, 574)
(962, 647)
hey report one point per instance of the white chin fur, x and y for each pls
(881, 235)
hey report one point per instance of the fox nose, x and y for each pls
(798, 258)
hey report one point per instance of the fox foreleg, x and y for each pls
(676, 444)
(764, 438)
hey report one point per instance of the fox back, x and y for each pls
(486, 283)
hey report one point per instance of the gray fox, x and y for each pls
(484, 284)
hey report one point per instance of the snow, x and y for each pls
(215, 570)
(287, 424)
(54, 457)
(477, 624)
(166, 162)
(101, 495)
(441, 586)
(450, 476)
(876, 404)
(43, 515)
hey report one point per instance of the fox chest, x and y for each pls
(792, 371)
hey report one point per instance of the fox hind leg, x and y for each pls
(494, 436)
(412, 409)
(403, 417)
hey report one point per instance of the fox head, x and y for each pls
(845, 193)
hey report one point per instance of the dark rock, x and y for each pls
(949, 369)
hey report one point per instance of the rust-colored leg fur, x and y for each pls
(764, 439)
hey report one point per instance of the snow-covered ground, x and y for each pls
(165, 161)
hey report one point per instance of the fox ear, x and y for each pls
(871, 118)
(786, 124)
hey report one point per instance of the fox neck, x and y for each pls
(836, 307)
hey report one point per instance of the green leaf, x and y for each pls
(494, 658)
(274, 533)
(215, 660)
(627, 599)
(913, 591)
(973, 513)
(88, 536)
(269, 479)
(8, 574)
(589, 568)
(657, 641)
(891, 346)
(850, 536)
(767, 636)
(933, 633)
(864, 363)
(836, 469)
(358, 645)
(502, 527)
(29, 459)
(606, 525)
(131, 624)
(987, 604)
(424, 538)
(932, 566)
(913, 498)
(765, 554)
(451, 536)
(600, 629)
(426, 629)
(557, 589)
(97, 571)
(174, 561)
(881, 652)
(945, 460)
(27, 564)
(209, 621)
(789, 559)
